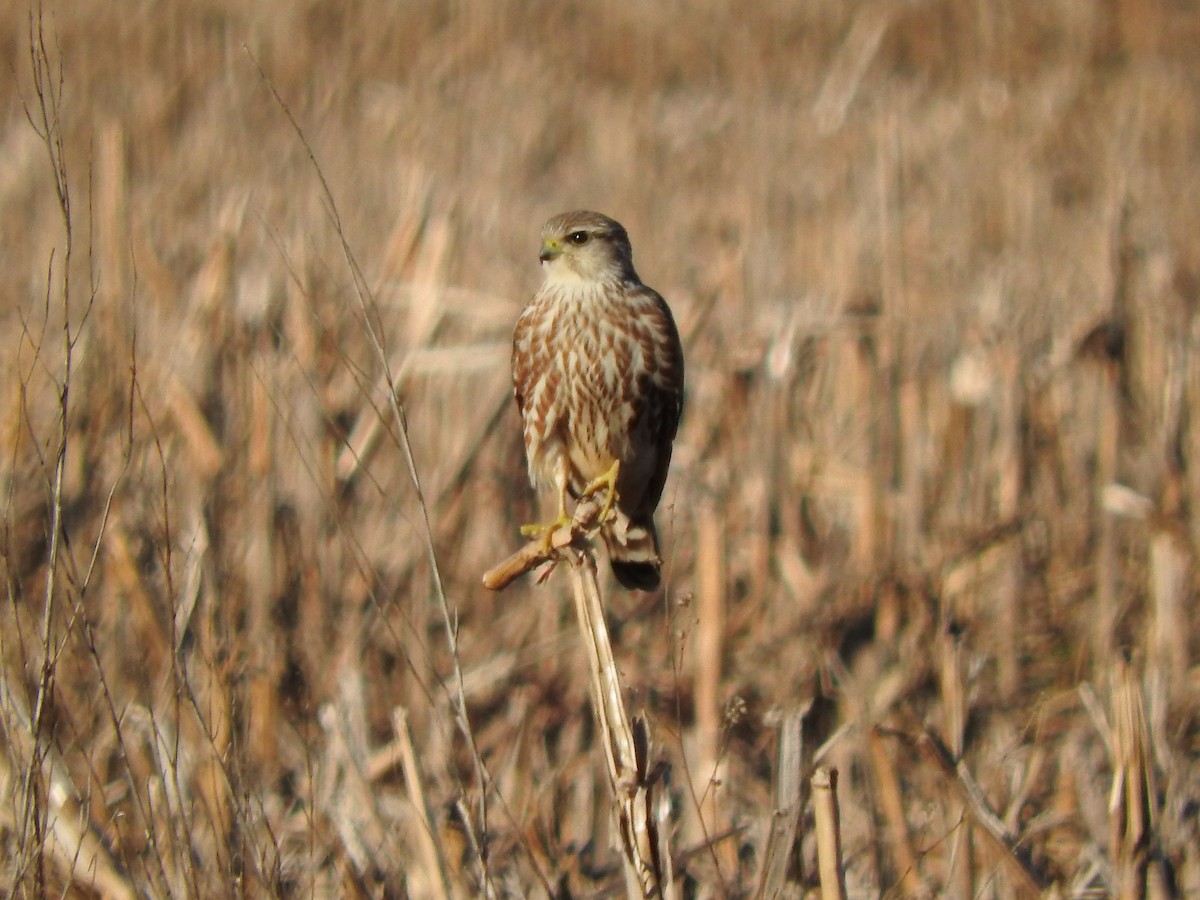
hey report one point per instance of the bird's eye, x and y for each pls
(578, 237)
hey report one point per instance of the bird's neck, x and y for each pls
(615, 277)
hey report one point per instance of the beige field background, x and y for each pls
(936, 267)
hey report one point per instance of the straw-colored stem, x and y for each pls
(437, 880)
(785, 836)
(829, 834)
(891, 801)
(640, 802)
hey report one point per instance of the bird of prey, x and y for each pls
(598, 376)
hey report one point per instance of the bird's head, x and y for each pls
(586, 246)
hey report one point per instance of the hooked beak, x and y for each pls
(551, 249)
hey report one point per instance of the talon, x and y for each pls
(608, 482)
(542, 572)
(546, 529)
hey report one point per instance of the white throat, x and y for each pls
(560, 274)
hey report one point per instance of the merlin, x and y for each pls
(598, 376)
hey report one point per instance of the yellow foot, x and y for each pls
(608, 483)
(546, 528)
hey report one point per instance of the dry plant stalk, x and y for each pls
(641, 801)
(70, 841)
(542, 550)
(1025, 881)
(431, 852)
(851, 62)
(954, 709)
(1132, 801)
(1169, 577)
(891, 800)
(53, 823)
(829, 834)
(710, 768)
(789, 802)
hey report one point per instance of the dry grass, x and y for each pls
(936, 269)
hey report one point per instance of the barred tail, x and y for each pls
(633, 552)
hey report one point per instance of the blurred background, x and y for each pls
(936, 269)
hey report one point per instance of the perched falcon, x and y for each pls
(598, 375)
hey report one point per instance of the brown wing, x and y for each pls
(661, 400)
